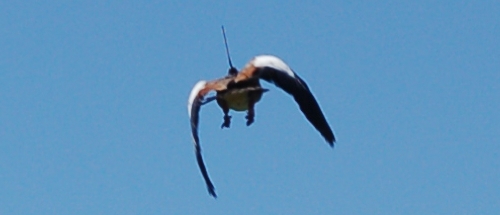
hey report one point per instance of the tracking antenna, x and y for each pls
(232, 69)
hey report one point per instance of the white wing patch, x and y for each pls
(194, 93)
(273, 62)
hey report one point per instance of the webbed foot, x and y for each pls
(250, 119)
(227, 121)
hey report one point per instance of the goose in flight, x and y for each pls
(240, 91)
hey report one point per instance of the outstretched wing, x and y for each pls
(274, 70)
(194, 105)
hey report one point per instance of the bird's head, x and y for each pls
(232, 71)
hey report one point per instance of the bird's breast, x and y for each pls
(239, 99)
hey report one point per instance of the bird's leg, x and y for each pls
(250, 115)
(227, 120)
(225, 109)
(251, 111)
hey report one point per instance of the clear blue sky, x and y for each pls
(93, 116)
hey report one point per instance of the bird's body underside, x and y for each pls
(240, 99)
(240, 91)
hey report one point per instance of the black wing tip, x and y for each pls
(204, 173)
(331, 141)
(211, 191)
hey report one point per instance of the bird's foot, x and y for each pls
(250, 119)
(227, 122)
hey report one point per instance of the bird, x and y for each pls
(241, 90)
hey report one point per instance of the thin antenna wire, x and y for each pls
(227, 48)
